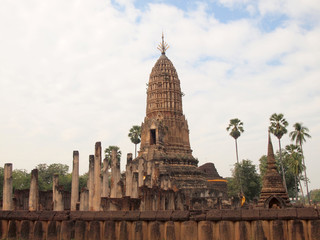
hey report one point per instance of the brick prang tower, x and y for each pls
(165, 132)
(165, 147)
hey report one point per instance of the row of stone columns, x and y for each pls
(116, 191)
(144, 173)
(90, 198)
(98, 183)
(34, 191)
(105, 179)
(132, 178)
(57, 194)
(75, 182)
(90, 183)
(97, 178)
(7, 188)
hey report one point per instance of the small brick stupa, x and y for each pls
(273, 193)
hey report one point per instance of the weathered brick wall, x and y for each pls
(21, 200)
(291, 224)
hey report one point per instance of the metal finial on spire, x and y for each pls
(163, 46)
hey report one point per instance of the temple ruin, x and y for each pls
(273, 193)
(165, 164)
(164, 176)
(162, 194)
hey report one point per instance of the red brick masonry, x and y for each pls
(299, 223)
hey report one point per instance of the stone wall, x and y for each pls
(291, 224)
(21, 200)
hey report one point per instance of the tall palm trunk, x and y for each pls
(239, 173)
(237, 150)
(305, 175)
(304, 201)
(135, 151)
(296, 187)
(281, 163)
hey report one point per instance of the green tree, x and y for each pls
(299, 136)
(233, 186)
(65, 181)
(108, 152)
(83, 179)
(315, 196)
(293, 157)
(20, 179)
(250, 180)
(45, 174)
(277, 127)
(135, 137)
(263, 165)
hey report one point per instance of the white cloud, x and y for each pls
(72, 73)
(308, 9)
(303, 12)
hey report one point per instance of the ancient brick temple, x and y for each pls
(165, 158)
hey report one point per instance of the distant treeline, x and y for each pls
(21, 178)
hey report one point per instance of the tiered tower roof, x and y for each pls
(164, 93)
(165, 128)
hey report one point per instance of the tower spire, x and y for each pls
(271, 162)
(273, 193)
(163, 46)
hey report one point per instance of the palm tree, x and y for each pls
(135, 137)
(294, 157)
(108, 152)
(298, 135)
(277, 127)
(236, 127)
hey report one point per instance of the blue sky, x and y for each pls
(223, 12)
(75, 72)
